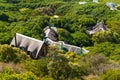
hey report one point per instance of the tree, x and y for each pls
(106, 36)
(8, 54)
(64, 35)
(111, 75)
(81, 39)
(3, 17)
(13, 1)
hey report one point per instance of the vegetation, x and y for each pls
(111, 75)
(30, 17)
(58, 65)
(8, 54)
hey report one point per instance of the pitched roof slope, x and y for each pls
(27, 44)
(69, 47)
(51, 33)
(97, 28)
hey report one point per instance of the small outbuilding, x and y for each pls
(97, 28)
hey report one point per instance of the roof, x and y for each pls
(82, 2)
(95, 1)
(51, 37)
(27, 44)
(69, 47)
(51, 33)
(97, 28)
(111, 5)
(56, 16)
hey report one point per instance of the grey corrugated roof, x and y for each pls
(69, 47)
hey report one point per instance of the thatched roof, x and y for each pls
(27, 44)
(35, 46)
(97, 28)
(51, 33)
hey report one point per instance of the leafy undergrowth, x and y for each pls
(12, 54)
(30, 17)
(57, 65)
(10, 74)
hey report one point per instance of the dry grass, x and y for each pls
(91, 77)
(16, 67)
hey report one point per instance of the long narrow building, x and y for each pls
(37, 48)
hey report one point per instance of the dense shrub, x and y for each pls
(81, 39)
(38, 67)
(63, 34)
(3, 17)
(61, 64)
(118, 7)
(47, 78)
(109, 36)
(114, 25)
(111, 75)
(108, 49)
(62, 68)
(72, 56)
(95, 63)
(30, 17)
(8, 54)
(25, 11)
(9, 74)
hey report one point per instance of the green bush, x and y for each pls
(10, 74)
(38, 67)
(118, 7)
(72, 56)
(4, 17)
(111, 75)
(64, 35)
(108, 49)
(109, 36)
(63, 69)
(8, 54)
(58, 68)
(115, 55)
(81, 39)
(93, 64)
(46, 78)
